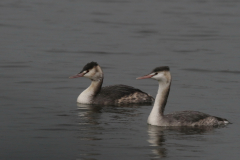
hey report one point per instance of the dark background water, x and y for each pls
(44, 42)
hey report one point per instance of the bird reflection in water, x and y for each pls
(95, 120)
(89, 113)
(158, 137)
(92, 114)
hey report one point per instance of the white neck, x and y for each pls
(161, 99)
(86, 97)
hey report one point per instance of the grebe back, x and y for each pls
(183, 118)
(109, 95)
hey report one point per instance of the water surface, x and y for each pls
(45, 42)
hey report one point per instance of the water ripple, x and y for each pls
(211, 71)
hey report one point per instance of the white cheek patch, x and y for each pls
(89, 74)
(159, 76)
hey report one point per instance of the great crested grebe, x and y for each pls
(182, 118)
(109, 95)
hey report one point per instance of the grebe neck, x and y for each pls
(88, 94)
(95, 86)
(160, 102)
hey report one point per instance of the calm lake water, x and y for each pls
(44, 42)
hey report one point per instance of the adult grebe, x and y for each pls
(110, 95)
(183, 118)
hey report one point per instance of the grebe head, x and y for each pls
(91, 70)
(161, 74)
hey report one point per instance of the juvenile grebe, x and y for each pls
(110, 95)
(183, 118)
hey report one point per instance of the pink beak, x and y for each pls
(144, 77)
(77, 75)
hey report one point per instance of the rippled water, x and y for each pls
(45, 42)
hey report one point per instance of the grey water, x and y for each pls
(44, 42)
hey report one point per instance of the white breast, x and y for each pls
(85, 97)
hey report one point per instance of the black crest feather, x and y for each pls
(89, 66)
(163, 68)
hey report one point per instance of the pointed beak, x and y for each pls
(77, 75)
(144, 77)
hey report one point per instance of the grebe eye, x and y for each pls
(85, 72)
(155, 74)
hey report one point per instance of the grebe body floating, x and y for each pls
(182, 118)
(109, 95)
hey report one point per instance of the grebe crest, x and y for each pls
(182, 118)
(109, 95)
